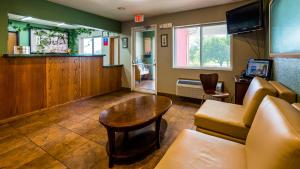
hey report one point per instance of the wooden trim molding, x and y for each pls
(285, 55)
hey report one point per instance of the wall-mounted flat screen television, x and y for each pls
(259, 67)
(245, 19)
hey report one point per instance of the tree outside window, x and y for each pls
(206, 46)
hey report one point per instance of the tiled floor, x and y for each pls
(70, 136)
(145, 84)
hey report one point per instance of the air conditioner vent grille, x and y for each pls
(189, 82)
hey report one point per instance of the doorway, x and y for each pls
(114, 51)
(12, 42)
(144, 54)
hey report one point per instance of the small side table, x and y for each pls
(241, 87)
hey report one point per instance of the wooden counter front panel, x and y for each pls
(22, 86)
(111, 79)
(63, 80)
(91, 76)
(30, 84)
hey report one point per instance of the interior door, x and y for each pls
(144, 54)
(12, 41)
(112, 51)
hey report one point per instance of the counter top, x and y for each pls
(49, 55)
(107, 66)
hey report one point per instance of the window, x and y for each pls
(91, 45)
(97, 45)
(202, 46)
(88, 46)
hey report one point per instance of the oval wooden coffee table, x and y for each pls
(129, 116)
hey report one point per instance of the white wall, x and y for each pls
(167, 76)
(139, 45)
(116, 51)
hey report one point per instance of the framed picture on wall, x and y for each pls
(164, 40)
(48, 41)
(125, 42)
(283, 41)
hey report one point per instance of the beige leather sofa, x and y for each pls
(273, 143)
(284, 92)
(231, 121)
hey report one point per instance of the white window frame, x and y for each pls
(94, 37)
(81, 45)
(202, 67)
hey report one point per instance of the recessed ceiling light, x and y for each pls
(26, 18)
(121, 8)
(60, 24)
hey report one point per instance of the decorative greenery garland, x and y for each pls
(73, 34)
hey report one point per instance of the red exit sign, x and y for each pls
(139, 18)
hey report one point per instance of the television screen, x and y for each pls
(245, 18)
(257, 67)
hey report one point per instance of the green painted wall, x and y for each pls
(46, 10)
(149, 34)
(23, 35)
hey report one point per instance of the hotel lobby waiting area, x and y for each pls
(172, 84)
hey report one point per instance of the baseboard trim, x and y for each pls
(180, 98)
(10, 119)
(126, 89)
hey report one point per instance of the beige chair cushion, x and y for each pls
(220, 135)
(274, 138)
(297, 106)
(284, 92)
(257, 90)
(195, 150)
(223, 118)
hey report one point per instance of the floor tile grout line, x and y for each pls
(181, 109)
(38, 146)
(78, 134)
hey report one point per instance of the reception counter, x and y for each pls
(29, 83)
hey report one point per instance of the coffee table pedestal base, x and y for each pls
(124, 148)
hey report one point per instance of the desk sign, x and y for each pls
(105, 41)
(138, 18)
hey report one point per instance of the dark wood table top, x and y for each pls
(135, 112)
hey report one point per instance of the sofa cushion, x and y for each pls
(223, 118)
(284, 92)
(195, 150)
(274, 138)
(297, 106)
(257, 90)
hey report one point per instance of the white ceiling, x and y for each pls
(40, 21)
(46, 22)
(109, 8)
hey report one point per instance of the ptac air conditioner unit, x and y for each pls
(193, 88)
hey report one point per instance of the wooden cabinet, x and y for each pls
(241, 87)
